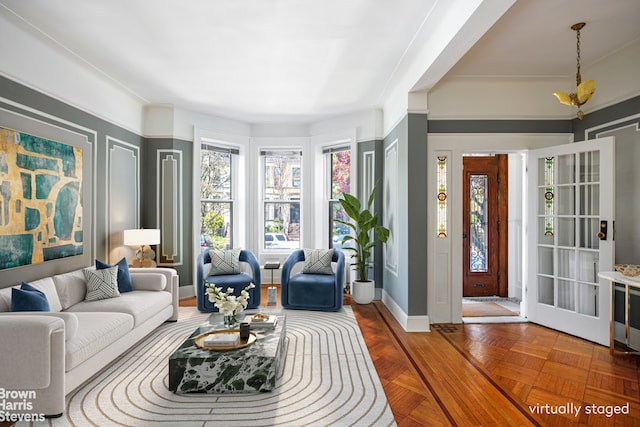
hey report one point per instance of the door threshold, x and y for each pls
(495, 319)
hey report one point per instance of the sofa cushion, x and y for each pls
(47, 286)
(71, 287)
(28, 298)
(142, 305)
(101, 284)
(96, 331)
(124, 278)
(318, 261)
(5, 300)
(225, 261)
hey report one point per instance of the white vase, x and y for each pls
(363, 292)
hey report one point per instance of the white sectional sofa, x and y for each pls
(49, 354)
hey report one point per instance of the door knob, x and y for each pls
(602, 234)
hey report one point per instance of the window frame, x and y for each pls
(297, 182)
(234, 153)
(328, 184)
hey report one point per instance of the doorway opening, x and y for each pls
(492, 259)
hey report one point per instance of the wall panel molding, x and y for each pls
(390, 211)
(170, 207)
(123, 196)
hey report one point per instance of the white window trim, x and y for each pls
(239, 184)
(320, 194)
(274, 144)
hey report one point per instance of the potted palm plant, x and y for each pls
(366, 231)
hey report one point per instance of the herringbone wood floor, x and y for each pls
(496, 375)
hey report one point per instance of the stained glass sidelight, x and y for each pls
(478, 224)
(441, 179)
(548, 196)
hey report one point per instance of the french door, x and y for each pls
(571, 200)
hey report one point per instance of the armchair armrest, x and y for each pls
(250, 258)
(295, 257)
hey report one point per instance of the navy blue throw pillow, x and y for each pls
(124, 278)
(28, 298)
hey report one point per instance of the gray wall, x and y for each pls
(117, 201)
(407, 285)
(374, 146)
(168, 202)
(622, 122)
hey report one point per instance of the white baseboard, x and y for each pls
(408, 323)
(186, 292)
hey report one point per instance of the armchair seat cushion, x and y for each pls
(236, 281)
(312, 290)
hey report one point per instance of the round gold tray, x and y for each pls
(199, 340)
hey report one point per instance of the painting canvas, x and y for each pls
(41, 215)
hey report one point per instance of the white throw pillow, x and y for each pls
(71, 287)
(317, 261)
(225, 261)
(47, 287)
(101, 284)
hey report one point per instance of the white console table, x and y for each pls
(614, 278)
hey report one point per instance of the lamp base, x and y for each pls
(142, 263)
(144, 258)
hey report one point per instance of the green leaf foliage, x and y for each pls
(367, 231)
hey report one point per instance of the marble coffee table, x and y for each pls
(250, 369)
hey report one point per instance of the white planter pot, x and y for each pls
(363, 292)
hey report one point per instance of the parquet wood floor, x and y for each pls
(497, 375)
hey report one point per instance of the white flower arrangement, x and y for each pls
(226, 302)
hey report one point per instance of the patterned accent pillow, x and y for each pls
(225, 261)
(124, 277)
(101, 284)
(318, 261)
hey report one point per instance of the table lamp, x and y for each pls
(142, 238)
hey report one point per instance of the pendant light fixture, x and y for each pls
(585, 89)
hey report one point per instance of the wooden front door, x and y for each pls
(485, 226)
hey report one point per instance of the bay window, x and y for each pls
(216, 196)
(338, 181)
(281, 195)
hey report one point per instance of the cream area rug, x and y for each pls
(328, 380)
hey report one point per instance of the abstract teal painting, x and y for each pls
(41, 215)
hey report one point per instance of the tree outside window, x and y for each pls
(216, 197)
(339, 182)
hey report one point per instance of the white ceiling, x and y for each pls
(303, 60)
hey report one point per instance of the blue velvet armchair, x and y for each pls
(306, 291)
(236, 281)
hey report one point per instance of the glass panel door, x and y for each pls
(565, 254)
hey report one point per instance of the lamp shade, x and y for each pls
(141, 237)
